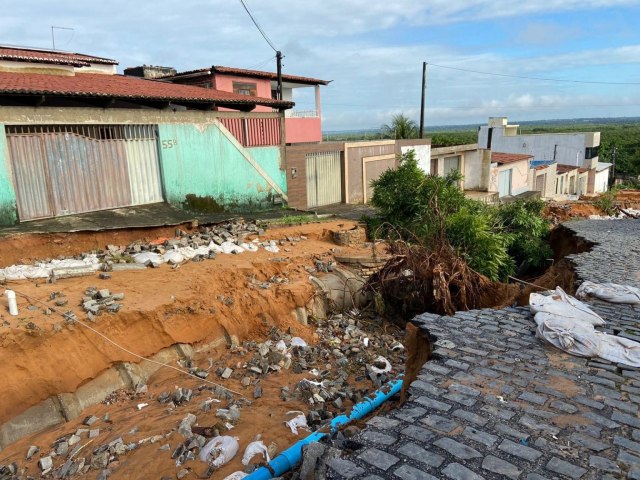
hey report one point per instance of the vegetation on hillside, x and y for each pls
(496, 241)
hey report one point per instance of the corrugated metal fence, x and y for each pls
(254, 132)
(66, 169)
(324, 178)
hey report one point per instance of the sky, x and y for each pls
(373, 50)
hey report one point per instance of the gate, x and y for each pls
(324, 178)
(67, 169)
(504, 183)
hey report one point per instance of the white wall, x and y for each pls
(423, 155)
(602, 181)
(569, 147)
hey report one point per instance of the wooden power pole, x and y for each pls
(424, 87)
(279, 70)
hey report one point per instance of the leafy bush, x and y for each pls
(430, 210)
(607, 202)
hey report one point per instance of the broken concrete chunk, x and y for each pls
(226, 373)
(45, 464)
(90, 420)
(33, 449)
(104, 293)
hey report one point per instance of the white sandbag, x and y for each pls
(219, 450)
(563, 305)
(202, 251)
(214, 247)
(148, 258)
(236, 476)
(272, 247)
(230, 247)
(253, 449)
(619, 350)
(610, 292)
(249, 247)
(187, 252)
(572, 337)
(23, 272)
(173, 257)
(299, 421)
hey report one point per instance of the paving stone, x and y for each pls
(409, 414)
(535, 476)
(600, 420)
(487, 439)
(462, 399)
(599, 380)
(512, 432)
(627, 419)
(407, 472)
(383, 423)
(549, 391)
(628, 458)
(486, 372)
(418, 433)
(602, 392)
(416, 452)
(625, 406)
(498, 412)
(589, 402)
(565, 468)
(427, 388)
(626, 443)
(379, 458)
(457, 364)
(634, 473)
(439, 423)
(457, 449)
(455, 471)
(533, 398)
(345, 468)
(563, 406)
(604, 464)
(378, 438)
(502, 467)
(464, 390)
(434, 367)
(519, 450)
(470, 417)
(429, 402)
(540, 413)
(588, 442)
(534, 424)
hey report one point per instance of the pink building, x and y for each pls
(301, 126)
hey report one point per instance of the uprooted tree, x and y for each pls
(447, 249)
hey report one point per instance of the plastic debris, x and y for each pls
(610, 292)
(299, 421)
(253, 449)
(380, 365)
(173, 257)
(281, 346)
(150, 259)
(298, 342)
(219, 451)
(230, 247)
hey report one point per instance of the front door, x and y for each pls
(504, 183)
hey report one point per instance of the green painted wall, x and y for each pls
(8, 214)
(202, 170)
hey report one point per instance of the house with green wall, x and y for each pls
(77, 137)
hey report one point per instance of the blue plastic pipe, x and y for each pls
(292, 456)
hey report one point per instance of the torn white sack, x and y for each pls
(253, 449)
(219, 450)
(610, 292)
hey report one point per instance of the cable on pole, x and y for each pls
(262, 32)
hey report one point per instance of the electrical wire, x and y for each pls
(532, 78)
(262, 32)
(80, 322)
(261, 64)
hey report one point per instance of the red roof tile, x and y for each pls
(583, 170)
(243, 72)
(123, 87)
(562, 168)
(17, 54)
(503, 158)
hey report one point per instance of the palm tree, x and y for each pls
(401, 126)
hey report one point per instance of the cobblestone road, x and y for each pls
(496, 403)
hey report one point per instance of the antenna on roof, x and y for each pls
(53, 37)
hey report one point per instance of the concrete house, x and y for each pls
(578, 150)
(77, 137)
(301, 126)
(509, 174)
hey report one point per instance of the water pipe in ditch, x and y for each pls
(292, 456)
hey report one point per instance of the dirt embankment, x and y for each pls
(41, 355)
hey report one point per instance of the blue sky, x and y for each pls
(373, 50)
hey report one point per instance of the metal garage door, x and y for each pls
(66, 169)
(324, 178)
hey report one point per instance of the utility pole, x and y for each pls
(612, 180)
(424, 86)
(279, 70)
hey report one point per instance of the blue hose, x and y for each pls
(293, 455)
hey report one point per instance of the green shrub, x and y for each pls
(607, 202)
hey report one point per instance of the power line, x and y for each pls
(262, 32)
(261, 64)
(533, 78)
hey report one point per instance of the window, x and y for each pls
(591, 152)
(245, 89)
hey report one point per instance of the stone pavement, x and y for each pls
(496, 403)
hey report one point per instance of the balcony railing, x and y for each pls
(301, 114)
